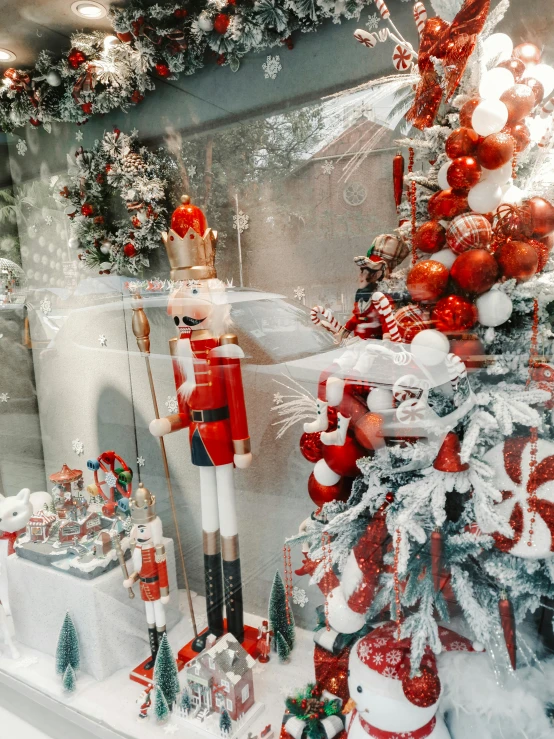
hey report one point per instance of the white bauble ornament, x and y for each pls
(54, 78)
(341, 617)
(430, 347)
(441, 176)
(490, 116)
(446, 257)
(73, 242)
(512, 195)
(380, 399)
(485, 197)
(105, 247)
(544, 74)
(324, 474)
(498, 47)
(205, 23)
(499, 176)
(495, 82)
(494, 308)
(532, 496)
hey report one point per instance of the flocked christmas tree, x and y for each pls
(161, 709)
(165, 673)
(281, 620)
(185, 703)
(67, 651)
(225, 723)
(69, 680)
(462, 464)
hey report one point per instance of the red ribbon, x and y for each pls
(11, 537)
(452, 43)
(141, 29)
(20, 81)
(85, 83)
(420, 733)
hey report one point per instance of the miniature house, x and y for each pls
(71, 530)
(221, 678)
(39, 526)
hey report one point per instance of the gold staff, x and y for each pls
(141, 330)
(121, 557)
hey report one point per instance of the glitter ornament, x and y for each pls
(311, 446)
(75, 58)
(447, 204)
(527, 53)
(448, 459)
(521, 136)
(543, 252)
(495, 150)
(475, 271)
(466, 112)
(464, 172)
(468, 231)
(369, 431)
(461, 142)
(542, 216)
(423, 689)
(536, 86)
(427, 280)
(321, 494)
(454, 313)
(519, 101)
(515, 66)
(517, 259)
(430, 237)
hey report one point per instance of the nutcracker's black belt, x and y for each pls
(216, 414)
(150, 579)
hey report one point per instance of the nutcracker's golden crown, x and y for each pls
(142, 505)
(190, 244)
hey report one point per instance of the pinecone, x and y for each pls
(132, 164)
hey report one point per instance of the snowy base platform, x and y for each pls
(209, 727)
(112, 628)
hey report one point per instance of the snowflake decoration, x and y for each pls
(46, 306)
(372, 22)
(299, 597)
(394, 657)
(272, 67)
(111, 480)
(4, 397)
(327, 167)
(191, 170)
(240, 222)
(103, 340)
(364, 650)
(171, 404)
(140, 461)
(79, 135)
(277, 398)
(299, 293)
(78, 447)
(33, 228)
(377, 659)
(21, 147)
(221, 237)
(134, 131)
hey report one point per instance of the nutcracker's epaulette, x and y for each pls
(228, 347)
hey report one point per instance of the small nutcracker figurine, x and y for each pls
(150, 565)
(206, 366)
(145, 699)
(264, 642)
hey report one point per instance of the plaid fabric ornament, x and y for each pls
(411, 319)
(389, 249)
(468, 231)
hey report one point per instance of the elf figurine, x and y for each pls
(206, 366)
(264, 642)
(150, 566)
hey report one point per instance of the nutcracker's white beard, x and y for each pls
(185, 357)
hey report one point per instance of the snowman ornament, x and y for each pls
(389, 703)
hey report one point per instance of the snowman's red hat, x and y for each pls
(386, 656)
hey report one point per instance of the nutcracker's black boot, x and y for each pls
(214, 598)
(233, 587)
(153, 637)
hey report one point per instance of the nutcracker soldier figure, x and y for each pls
(150, 566)
(264, 642)
(206, 366)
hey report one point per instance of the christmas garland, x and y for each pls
(100, 73)
(115, 165)
(311, 708)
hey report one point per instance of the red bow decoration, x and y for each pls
(85, 83)
(20, 81)
(141, 29)
(11, 537)
(177, 42)
(452, 43)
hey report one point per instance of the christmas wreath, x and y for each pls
(102, 73)
(116, 165)
(313, 715)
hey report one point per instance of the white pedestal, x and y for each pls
(111, 627)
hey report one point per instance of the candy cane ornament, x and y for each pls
(384, 309)
(382, 8)
(420, 16)
(327, 318)
(457, 372)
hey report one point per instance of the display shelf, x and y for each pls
(109, 709)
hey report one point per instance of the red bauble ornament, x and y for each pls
(75, 58)
(528, 53)
(188, 216)
(543, 252)
(470, 350)
(466, 112)
(462, 142)
(136, 97)
(129, 250)
(411, 319)
(369, 431)
(398, 178)
(162, 70)
(520, 101)
(423, 689)
(447, 204)
(517, 259)
(86, 108)
(34, 122)
(221, 23)
(542, 216)
(454, 313)
(87, 209)
(448, 459)
(468, 231)
(515, 66)
(342, 459)
(430, 237)
(521, 135)
(311, 447)
(475, 271)
(180, 13)
(495, 150)
(463, 173)
(427, 280)
(536, 86)
(321, 494)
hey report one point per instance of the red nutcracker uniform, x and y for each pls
(152, 573)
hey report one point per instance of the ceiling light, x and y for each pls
(89, 9)
(6, 56)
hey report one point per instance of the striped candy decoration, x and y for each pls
(548, 107)
(547, 136)
(456, 369)
(384, 309)
(401, 58)
(405, 386)
(382, 8)
(420, 17)
(365, 38)
(327, 316)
